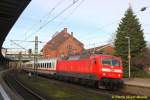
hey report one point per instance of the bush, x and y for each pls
(136, 73)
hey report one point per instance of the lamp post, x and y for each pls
(129, 55)
(143, 8)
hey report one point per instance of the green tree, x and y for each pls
(129, 26)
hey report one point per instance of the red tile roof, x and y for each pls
(59, 38)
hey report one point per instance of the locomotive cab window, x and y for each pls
(110, 62)
(115, 62)
(106, 61)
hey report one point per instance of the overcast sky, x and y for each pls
(93, 22)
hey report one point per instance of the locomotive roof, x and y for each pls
(77, 57)
(103, 55)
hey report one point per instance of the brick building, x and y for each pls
(104, 49)
(62, 44)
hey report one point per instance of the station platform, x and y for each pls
(5, 92)
(141, 82)
(137, 86)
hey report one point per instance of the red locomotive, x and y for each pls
(100, 70)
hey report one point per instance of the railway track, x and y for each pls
(29, 95)
(18, 87)
(88, 88)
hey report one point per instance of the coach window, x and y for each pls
(53, 64)
(39, 65)
(36, 65)
(50, 65)
(42, 65)
(45, 65)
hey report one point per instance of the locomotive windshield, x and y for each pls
(111, 62)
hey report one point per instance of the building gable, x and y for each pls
(58, 43)
(104, 49)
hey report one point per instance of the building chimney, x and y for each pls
(65, 30)
(72, 34)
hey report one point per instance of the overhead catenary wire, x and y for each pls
(46, 23)
(44, 17)
(69, 15)
(51, 11)
(17, 44)
(72, 10)
(109, 24)
(104, 26)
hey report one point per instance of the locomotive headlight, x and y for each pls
(119, 75)
(104, 74)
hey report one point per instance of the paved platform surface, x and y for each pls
(1, 98)
(142, 82)
(3, 93)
